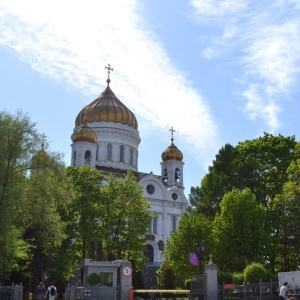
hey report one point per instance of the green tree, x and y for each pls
(81, 214)
(255, 272)
(108, 217)
(238, 232)
(216, 183)
(165, 278)
(44, 231)
(125, 220)
(18, 142)
(286, 210)
(192, 228)
(259, 164)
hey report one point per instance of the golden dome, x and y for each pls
(172, 152)
(84, 134)
(107, 108)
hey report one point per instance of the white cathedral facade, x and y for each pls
(106, 137)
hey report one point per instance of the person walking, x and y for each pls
(40, 291)
(284, 292)
(52, 292)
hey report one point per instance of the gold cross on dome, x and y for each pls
(172, 132)
(108, 70)
(43, 140)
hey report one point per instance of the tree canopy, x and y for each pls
(18, 142)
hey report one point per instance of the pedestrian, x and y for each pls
(40, 291)
(52, 292)
(284, 292)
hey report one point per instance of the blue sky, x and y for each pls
(217, 71)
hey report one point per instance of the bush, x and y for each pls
(225, 277)
(238, 278)
(269, 276)
(93, 279)
(254, 273)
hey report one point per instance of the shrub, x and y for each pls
(238, 278)
(254, 273)
(225, 277)
(269, 276)
(93, 279)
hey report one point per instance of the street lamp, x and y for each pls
(200, 250)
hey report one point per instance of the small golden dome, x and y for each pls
(41, 159)
(107, 108)
(84, 134)
(172, 152)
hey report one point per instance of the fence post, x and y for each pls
(260, 290)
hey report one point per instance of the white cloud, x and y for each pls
(218, 8)
(71, 42)
(263, 37)
(260, 107)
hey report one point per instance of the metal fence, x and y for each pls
(13, 292)
(251, 291)
(198, 287)
(93, 293)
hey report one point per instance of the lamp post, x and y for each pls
(200, 250)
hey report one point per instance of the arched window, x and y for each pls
(122, 153)
(87, 157)
(131, 156)
(154, 225)
(165, 176)
(109, 152)
(174, 224)
(74, 158)
(177, 175)
(149, 253)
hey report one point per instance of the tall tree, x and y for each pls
(286, 209)
(44, 230)
(83, 213)
(108, 218)
(258, 164)
(181, 246)
(18, 142)
(238, 231)
(125, 219)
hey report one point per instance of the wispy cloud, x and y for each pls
(70, 41)
(263, 38)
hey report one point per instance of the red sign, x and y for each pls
(229, 286)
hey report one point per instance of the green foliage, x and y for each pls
(255, 272)
(286, 208)
(225, 277)
(192, 228)
(238, 232)
(259, 165)
(45, 230)
(18, 142)
(93, 279)
(165, 278)
(238, 278)
(125, 220)
(108, 217)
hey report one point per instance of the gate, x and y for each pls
(198, 287)
(14, 292)
(91, 293)
(249, 291)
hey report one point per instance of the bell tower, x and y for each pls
(172, 165)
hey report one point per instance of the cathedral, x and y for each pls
(106, 137)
